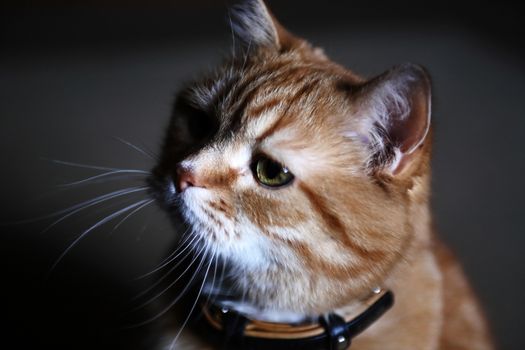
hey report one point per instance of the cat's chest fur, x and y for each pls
(420, 318)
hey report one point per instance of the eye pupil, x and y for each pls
(273, 169)
(271, 173)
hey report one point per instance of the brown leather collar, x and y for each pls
(331, 331)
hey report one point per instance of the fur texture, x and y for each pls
(356, 215)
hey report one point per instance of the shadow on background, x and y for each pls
(74, 75)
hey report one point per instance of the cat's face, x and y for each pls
(277, 165)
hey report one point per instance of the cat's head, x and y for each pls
(299, 174)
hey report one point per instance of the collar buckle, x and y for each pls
(337, 332)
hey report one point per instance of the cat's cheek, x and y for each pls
(250, 252)
(247, 249)
(215, 220)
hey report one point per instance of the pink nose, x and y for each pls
(185, 178)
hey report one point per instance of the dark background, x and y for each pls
(72, 76)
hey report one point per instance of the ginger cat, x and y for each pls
(309, 186)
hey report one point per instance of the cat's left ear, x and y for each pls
(256, 26)
(393, 112)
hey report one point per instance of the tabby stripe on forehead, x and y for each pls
(275, 100)
(281, 122)
(245, 95)
(266, 106)
(277, 68)
(256, 76)
(335, 225)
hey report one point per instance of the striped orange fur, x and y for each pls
(357, 213)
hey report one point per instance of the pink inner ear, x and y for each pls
(395, 112)
(408, 133)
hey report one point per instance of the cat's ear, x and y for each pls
(256, 26)
(394, 116)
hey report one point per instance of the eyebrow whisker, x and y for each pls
(136, 148)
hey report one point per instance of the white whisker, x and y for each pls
(233, 34)
(216, 256)
(164, 277)
(135, 147)
(246, 56)
(87, 204)
(182, 241)
(173, 302)
(130, 214)
(109, 173)
(194, 303)
(187, 237)
(85, 166)
(171, 259)
(101, 222)
(221, 278)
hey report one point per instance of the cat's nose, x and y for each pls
(185, 178)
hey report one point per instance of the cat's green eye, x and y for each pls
(271, 173)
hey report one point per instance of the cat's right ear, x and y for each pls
(393, 114)
(255, 26)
